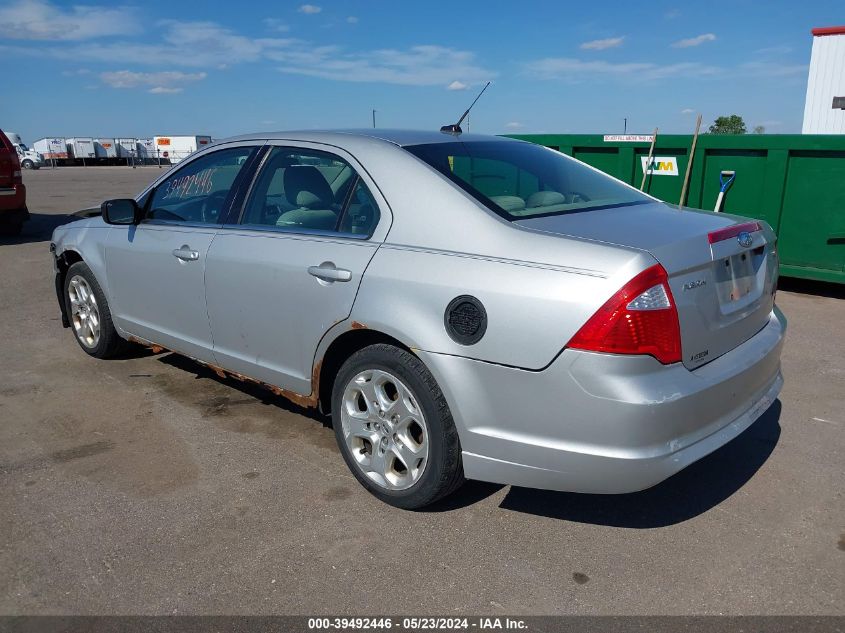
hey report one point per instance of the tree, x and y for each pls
(732, 124)
(760, 129)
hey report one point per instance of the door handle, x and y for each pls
(186, 254)
(328, 272)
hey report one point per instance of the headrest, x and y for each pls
(306, 187)
(545, 199)
(509, 203)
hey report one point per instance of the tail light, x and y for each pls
(17, 177)
(641, 318)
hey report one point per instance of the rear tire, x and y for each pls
(89, 314)
(394, 427)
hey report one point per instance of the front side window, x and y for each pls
(300, 189)
(199, 191)
(522, 180)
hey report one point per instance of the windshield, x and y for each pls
(23, 147)
(523, 180)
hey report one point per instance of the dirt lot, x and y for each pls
(148, 485)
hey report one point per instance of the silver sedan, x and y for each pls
(462, 306)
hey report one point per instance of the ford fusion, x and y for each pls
(462, 306)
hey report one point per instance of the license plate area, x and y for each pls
(740, 279)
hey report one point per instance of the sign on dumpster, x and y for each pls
(661, 165)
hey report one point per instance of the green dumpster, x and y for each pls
(796, 183)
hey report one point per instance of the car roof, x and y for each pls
(396, 137)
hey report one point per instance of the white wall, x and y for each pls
(826, 80)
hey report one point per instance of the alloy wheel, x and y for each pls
(85, 314)
(385, 429)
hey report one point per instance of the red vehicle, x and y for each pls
(13, 211)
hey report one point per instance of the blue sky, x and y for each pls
(228, 67)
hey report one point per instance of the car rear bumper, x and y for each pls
(13, 202)
(603, 423)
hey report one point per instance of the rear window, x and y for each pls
(523, 180)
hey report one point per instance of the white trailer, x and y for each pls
(106, 150)
(51, 148)
(127, 147)
(177, 148)
(81, 149)
(146, 149)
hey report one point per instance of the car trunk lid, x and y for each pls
(722, 269)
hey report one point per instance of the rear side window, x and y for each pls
(522, 180)
(362, 213)
(308, 190)
(200, 191)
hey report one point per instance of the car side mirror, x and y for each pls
(121, 211)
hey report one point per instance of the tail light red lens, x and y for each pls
(17, 177)
(641, 318)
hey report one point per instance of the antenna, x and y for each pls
(455, 128)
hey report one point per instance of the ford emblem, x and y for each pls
(745, 239)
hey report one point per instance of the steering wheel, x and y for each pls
(271, 213)
(212, 204)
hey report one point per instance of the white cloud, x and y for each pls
(204, 45)
(161, 90)
(687, 111)
(76, 73)
(578, 70)
(671, 14)
(772, 69)
(456, 85)
(352, 19)
(276, 25)
(310, 9)
(698, 40)
(773, 51)
(600, 45)
(514, 125)
(41, 20)
(162, 82)
(196, 44)
(417, 66)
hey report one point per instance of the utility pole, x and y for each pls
(374, 117)
(625, 129)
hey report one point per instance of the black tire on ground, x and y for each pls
(27, 164)
(110, 343)
(443, 472)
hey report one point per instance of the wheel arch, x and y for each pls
(64, 261)
(339, 350)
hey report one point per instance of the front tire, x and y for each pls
(27, 164)
(89, 314)
(394, 428)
